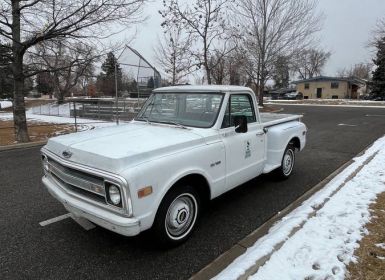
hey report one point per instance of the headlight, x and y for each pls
(45, 164)
(114, 195)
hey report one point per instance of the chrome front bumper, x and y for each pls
(102, 217)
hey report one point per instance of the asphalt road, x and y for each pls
(64, 250)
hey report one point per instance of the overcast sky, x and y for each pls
(346, 30)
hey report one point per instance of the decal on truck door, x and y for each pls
(247, 150)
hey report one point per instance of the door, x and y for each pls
(319, 92)
(245, 152)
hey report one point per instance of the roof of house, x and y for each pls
(353, 80)
(282, 90)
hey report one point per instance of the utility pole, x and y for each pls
(116, 93)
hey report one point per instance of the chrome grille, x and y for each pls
(77, 181)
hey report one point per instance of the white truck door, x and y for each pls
(245, 152)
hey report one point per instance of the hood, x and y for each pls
(116, 148)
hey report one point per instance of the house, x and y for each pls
(330, 87)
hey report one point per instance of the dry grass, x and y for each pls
(37, 131)
(371, 258)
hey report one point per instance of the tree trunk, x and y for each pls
(261, 89)
(19, 117)
(60, 96)
(208, 74)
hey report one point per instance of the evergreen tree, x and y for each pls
(378, 85)
(133, 86)
(150, 83)
(106, 79)
(44, 83)
(6, 83)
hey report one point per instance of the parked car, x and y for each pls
(293, 96)
(187, 145)
(374, 97)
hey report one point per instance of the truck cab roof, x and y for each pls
(203, 89)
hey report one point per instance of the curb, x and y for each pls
(22, 146)
(225, 259)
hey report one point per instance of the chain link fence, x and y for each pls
(93, 108)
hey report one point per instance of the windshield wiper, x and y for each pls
(175, 123)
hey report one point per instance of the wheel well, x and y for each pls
(197, 181)
(296, 143)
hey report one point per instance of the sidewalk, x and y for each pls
(319, 238)
(329, 102)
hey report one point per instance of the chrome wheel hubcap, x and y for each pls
(288, 162)
(181, 216)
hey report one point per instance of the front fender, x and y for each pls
(162, 174)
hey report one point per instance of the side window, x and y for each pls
(239, 105)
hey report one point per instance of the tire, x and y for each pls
(177, 216)
(287, 163)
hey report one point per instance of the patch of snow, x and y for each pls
(319, 242)
(375, 105)
(381, 258)
(83, 124)
(5, 104)
(53, 109)
(381, 245)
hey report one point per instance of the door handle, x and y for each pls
(260, 133)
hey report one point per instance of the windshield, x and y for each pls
(185, 109)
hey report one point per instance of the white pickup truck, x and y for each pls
(187, 145)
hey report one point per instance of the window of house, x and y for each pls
(307, 86)
(239, 105)
(335, 84)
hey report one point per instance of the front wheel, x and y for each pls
(287, 163)
(177, 216)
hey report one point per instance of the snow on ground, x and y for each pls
(320, 236)
(83, 124)
(53, 109)
(329, 102)
(5, 104)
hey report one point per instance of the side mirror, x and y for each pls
(240, 123)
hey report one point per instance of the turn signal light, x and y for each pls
(145, 191)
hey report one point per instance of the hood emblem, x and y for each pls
(67, 154)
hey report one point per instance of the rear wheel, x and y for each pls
(287, 163)
(177, 216)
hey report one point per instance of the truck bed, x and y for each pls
(270, 119)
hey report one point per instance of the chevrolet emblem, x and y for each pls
(67, 154)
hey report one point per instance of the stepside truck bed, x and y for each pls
(271, 119)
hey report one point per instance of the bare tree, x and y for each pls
(378, 33)
(310, 62)
(25, 23)
(172, 54)
(218, 66)
(229, 69)
(69, 64)
(360, 70)
(281, 72)
(275, 28)
(208, 24)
